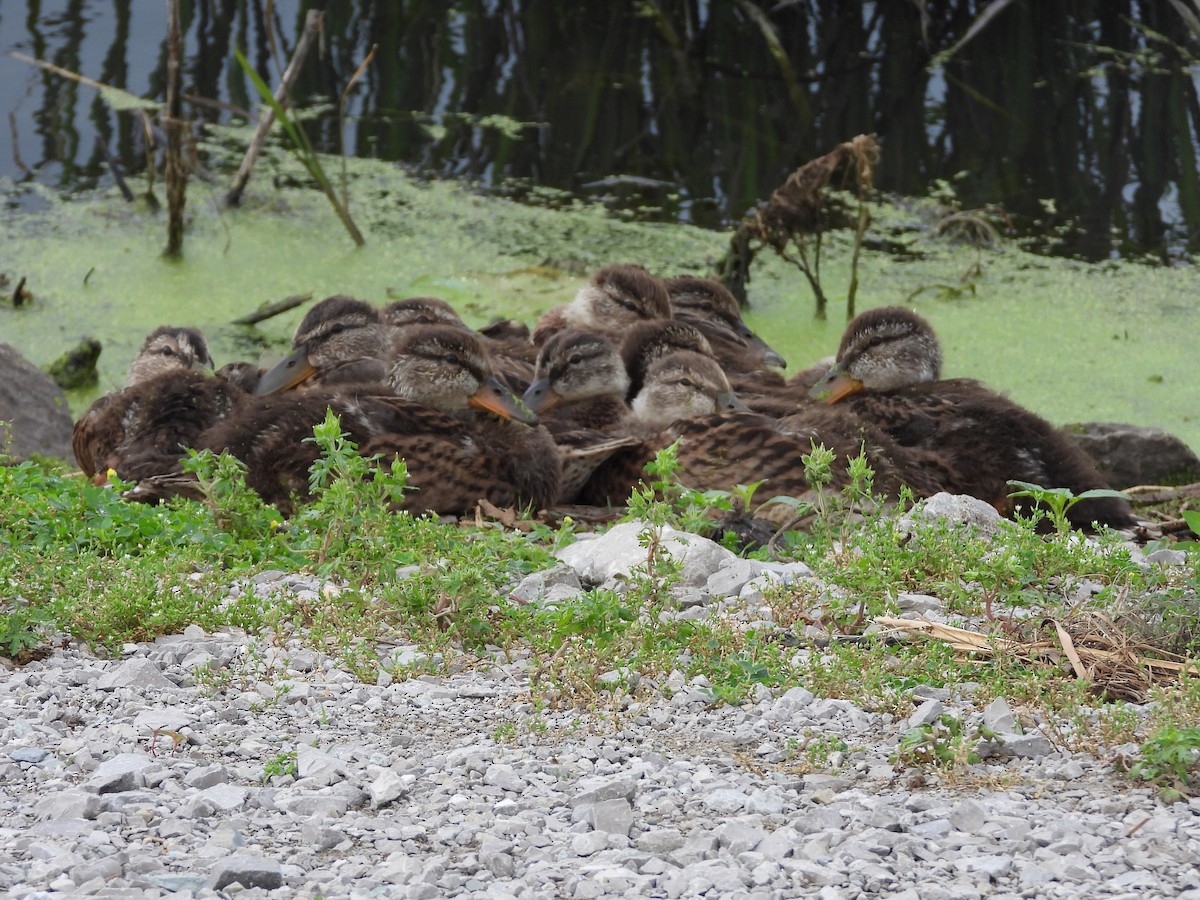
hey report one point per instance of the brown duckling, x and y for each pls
(170, 398)
(580, 380)
(678, 386)
(721, 445)
(420, 311)
(578, 392)
(614, 298)
(341, 340)
(512, 359)
(647, 342)
(462, 435)
(887, 373)
(710, 306)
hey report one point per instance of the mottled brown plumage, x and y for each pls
(455, 454)
(512, 359)
(887, 374)
(144, 428)
(580, 381)
(445, 416)
(614, 298)
(709, 305)
(647, 342)
(720, 447)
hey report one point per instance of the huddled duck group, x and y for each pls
(570, 411)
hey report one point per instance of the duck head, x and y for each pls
(447, 368)
(617, 296)
(169, 349)
(576, 365)
(882, 350)
(419, 311)
(708, 300)
(338, 334)
(684, 385)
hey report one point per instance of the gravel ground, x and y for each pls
(142, 777)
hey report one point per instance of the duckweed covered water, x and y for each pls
(1072, 341)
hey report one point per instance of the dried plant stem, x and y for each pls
(313, 23)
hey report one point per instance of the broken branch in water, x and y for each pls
(312, 25)
(267, 310)
(174, 170)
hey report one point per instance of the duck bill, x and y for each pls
(539, 396)
(729, 401)
(496, 398)
(290, 371)
(770, 355)
(835, 386)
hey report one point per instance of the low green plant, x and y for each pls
(21, 629)
(1170, 760)
(731, 678)
(817, 752)
(943, 743)
(282, 763)
(1192, 517)
(1059, 501)
(354, 498)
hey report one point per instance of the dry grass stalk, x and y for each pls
(1097, 649)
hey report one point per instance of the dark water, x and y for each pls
(1062, 112)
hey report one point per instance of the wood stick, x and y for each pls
(313, 23)
(174, 171)
(267, 310)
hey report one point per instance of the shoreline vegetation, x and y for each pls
(1091, 636)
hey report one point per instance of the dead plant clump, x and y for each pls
(1104, 651)
(798, 213)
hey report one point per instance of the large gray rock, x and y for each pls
(1128, 455)
(33, 410)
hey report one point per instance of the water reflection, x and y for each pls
(1072, 111)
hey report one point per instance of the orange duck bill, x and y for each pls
(495, 397)
(834, 386)
(288, 372)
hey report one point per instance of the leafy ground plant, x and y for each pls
(1170, 760)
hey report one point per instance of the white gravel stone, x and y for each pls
(139, 673)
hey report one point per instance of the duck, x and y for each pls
(463, 436)
(721, 443)
(512, 356)
(579, 380)
(644, 343)
(888, 372)
(462, 433)
(340, 340)
(711, 307)
(578, 393)
(614, 298)
(749, 362)
(409, 311)
(169, 397)
(677, 386)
